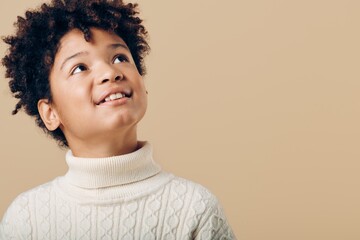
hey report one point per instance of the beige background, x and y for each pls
(257, 100)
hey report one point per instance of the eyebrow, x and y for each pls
(118, 45)
(73, 56)
(110, 46)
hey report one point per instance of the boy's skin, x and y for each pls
(82, 75)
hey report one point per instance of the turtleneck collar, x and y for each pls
(92, 173)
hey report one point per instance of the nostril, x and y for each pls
(117, 78)
(104, 80)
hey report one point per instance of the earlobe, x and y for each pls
(48, 114)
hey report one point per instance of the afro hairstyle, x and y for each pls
(35, 43)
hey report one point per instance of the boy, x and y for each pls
(77, 67)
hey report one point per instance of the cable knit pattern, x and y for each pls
(121, 197)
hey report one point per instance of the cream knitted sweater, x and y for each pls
(120, 197)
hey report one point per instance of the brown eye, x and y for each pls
(120, 59)
(78, 69)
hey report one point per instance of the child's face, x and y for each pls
(85, 78)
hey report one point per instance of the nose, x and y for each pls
(108, 72)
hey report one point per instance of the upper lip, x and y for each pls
(110, 91)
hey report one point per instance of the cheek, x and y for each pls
(68, 98)
(139, 81)
(141, 89)
(74, 92)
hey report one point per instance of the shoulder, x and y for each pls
(16, 221)
(199, 200)
(38, 192)
(195, 190)
(205, 214)
(24, 199)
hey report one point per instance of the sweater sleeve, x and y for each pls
(214, 224)
(16, 221)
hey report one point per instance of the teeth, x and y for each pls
(114, 96)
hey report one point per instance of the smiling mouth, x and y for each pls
(115, 96)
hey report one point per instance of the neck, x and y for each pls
(105, 146)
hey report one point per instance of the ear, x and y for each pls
(48, 114)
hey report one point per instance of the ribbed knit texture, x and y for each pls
(120, 197)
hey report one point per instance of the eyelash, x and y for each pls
(122, 56)
(76, 67)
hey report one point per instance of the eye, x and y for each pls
(78, 69)
(120, 59)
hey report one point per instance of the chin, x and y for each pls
(122, 122)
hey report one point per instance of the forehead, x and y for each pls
(74, 40)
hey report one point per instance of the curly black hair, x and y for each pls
(36, 41)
